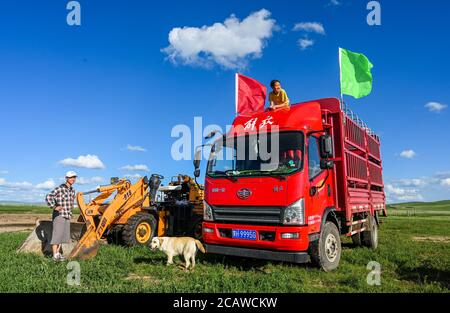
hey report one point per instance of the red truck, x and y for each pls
(323, 180)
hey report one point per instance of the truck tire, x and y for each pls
(139, 230)
(356, 239)
(325, 253)
(369, 238)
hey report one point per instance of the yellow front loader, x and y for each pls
(129, 207)
(128, 214)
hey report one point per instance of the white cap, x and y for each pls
(70, 174)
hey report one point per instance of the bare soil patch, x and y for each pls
(21, 222)
(442, 239)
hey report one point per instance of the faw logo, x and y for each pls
(243, 193)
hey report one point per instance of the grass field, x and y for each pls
(413, 253)
(439, 208)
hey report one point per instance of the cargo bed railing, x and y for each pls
(355, 118)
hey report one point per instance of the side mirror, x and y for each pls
(197, 172)
(326, 164)
(197, 158)
(326, 147)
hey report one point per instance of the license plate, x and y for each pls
(244, 234)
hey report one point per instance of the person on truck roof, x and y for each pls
(278, 97)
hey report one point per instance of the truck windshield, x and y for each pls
(279, 153)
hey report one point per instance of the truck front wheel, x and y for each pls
(326, 252)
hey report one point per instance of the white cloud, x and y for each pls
(395, 194)
(305, 43)
(4, 172)
(409, 154)
(445, 182)
(15, 185)
(136, 148)
(139, 167)
(47, 185)
(20, 185)
(413, 182)
(310, 27)
(425, 188)
(88, 181)
(84, 161)
(230, 44)
(435, 107)
(133, 176)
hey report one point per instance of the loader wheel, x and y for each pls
(115, 235)
(325, 253)
(139, 230)
(369, 238)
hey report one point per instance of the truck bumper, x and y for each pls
(269, 238)
(285, 256)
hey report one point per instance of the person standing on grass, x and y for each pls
(61, 200)
(278, 98)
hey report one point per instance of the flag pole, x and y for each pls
(236, 93)
(340, 78)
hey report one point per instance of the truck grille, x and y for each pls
(267, 215)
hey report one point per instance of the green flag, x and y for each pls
(356, 77)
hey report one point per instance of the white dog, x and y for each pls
(173, 246)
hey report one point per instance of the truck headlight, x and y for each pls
(295, 213)
(207, 212)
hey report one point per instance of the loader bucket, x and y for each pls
(38, 241)
(87, 247)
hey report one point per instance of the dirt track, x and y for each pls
(20, 222)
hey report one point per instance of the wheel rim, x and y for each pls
(143, 232)
(331, 247)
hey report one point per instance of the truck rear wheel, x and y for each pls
(369, 238)
(356, 239)
(139, 230)
(326, 252)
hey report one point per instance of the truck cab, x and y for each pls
(274, 187)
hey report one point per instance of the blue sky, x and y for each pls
(92, 90)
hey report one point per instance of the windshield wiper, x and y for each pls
(276, 175)
(225, 174)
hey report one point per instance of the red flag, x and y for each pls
(250, 95)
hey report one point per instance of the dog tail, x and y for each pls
(200, 246)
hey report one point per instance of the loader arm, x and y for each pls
(127, 197)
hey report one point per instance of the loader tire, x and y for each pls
(139, 230)
(369, 238)
(325, 253)
(115, 235)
